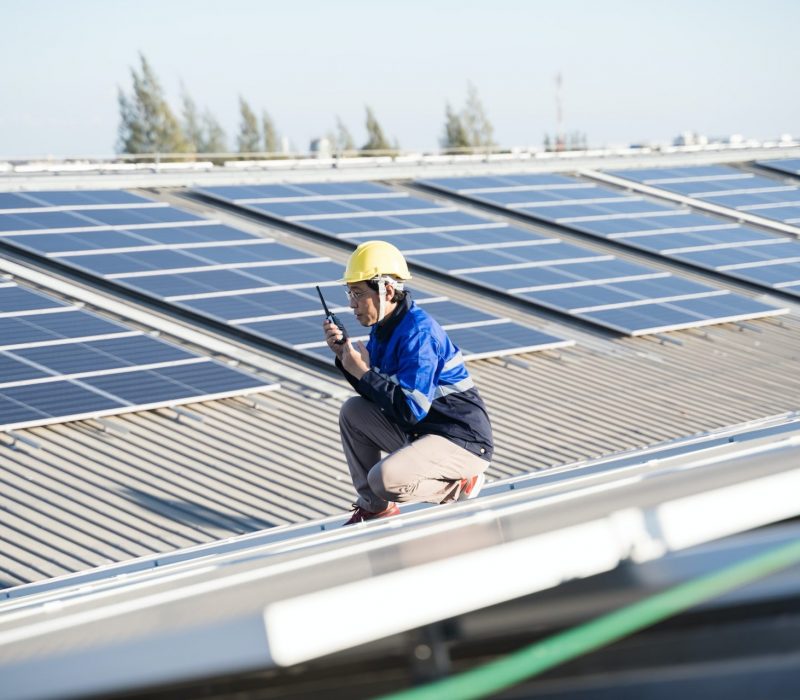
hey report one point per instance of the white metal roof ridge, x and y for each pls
(306, 535)
(310, 170)
(263, 611)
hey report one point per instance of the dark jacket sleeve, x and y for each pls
(389, 397)
(349, 377)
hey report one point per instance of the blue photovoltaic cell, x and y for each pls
(110, 239)
(347, 207)
(183, 381)
(342, 188)
(42, 221)
(92, 218)
(379, 204)
(233, 193)
(58, 400)
(236, 192)
(267, 303)
(497, 339)
(465, 237)
(102, 354)
(398, 222)
(789, 214)
(519, 180)
(790, 166)
(61, 198)
(724, 186)
(16, 299)
(582, 287)
(97, 239)
(67, 198)
(196, 257)
(753, 202)
(12, 370)
(562, 275)
(251, 283)
(138, 217)
(694, 187)
(51, 353)
(698, 171)
(618, 227)
(10, 200)
(520, 255)
(570, 211)
(783, 276)
(69, 323)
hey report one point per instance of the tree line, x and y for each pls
(148, 124)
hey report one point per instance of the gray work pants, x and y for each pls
(428, 469)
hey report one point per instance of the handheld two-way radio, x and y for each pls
(334, 319)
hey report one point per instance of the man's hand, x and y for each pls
(355, 359)
(332, 334)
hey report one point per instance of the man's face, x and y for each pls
(365, 302)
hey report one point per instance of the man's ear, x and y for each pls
(390, 289)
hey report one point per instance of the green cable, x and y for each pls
(532, 660)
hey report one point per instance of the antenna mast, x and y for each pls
(560, 140)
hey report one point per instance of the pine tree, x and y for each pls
(376, 141)
(478, 128)
(272, 143)
(249, 138)
(147, 124)
(192, 128)
(214, 140)
(455, 135)
(344, 139)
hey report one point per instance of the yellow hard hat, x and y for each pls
(375, 258)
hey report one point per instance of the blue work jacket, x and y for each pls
(418, 379)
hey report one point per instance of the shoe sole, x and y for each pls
(476, 489)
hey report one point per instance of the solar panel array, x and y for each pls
(251, 283)
(790, 166)
(725, 186)
(626, 297)
(59, 362)
(706, 241)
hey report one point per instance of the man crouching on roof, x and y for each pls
(416, 400)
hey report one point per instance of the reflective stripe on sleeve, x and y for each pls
(457, 388)
(418, 398)
(454, 361)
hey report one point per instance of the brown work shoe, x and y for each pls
(361, 515)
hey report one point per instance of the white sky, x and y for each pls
(633, 70)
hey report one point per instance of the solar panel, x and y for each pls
(702, 240)
(73, 199)
(59, 362)
(725, 186)
(543, 270)
(256, 285)
(790, 166)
